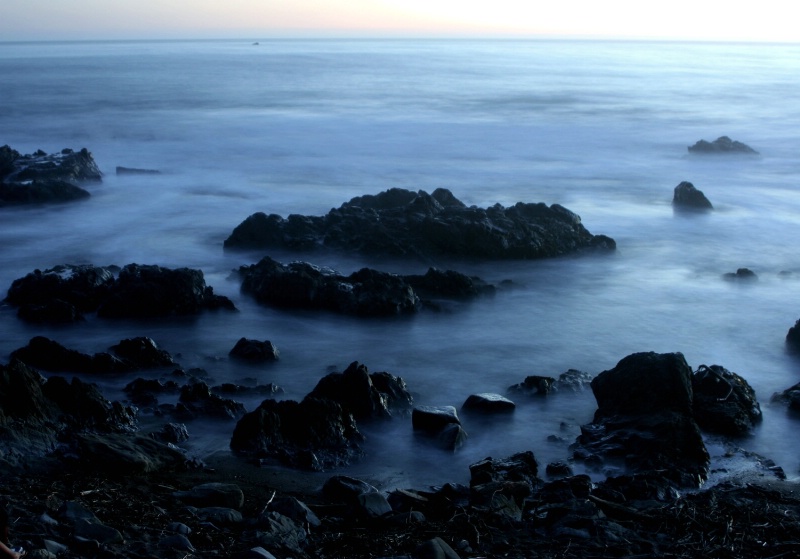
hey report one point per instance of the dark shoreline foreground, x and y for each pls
(751, 515)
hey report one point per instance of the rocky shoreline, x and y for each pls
(81, 478)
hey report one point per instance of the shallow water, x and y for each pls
(303, 126)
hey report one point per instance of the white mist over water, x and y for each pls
(302, 126)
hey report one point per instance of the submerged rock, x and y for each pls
(399, 222)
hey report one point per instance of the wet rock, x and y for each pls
(440, 424)
(60, 294)
(558, 470)
(66, 293)
(49, 355)
(534, 385)
(448, 284)
(174, 433)
(686, 196)
(152, 291)
(722, 145)
(724, 402)
(45, 178)
(644, 420)
(196, 399)
(399, 222)
(346, 489)
(302, 285)
(488, 403)
(254, 351)
(84, 407)
(125, 454)
(296, 510)
(145, 392)
(793, 338)
(142, 353)
(280, 532)
(790, 397)
(355, 391)
(517, 467)
(313, 434)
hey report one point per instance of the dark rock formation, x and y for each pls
(301, 285)
(153, 291)
(571, 381)
(197, 400)
(44, 353)
(742, 274)
(722, 145)
(440, 424)
(417, 224)
(367, 292)
(358, 394)
(142, 353)
(789, 397)
(644, 419)
(724, 402)
(686, 196)
(65, 293)
(254, 351)
(487, 403)
(73, 421)
(45, 178)
(793, 337)
(313, 434)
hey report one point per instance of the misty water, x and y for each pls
(303, 126)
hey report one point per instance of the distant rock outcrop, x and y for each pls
(403, 223)
(721, 145)
(45, 178)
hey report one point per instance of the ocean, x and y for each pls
(301, 126)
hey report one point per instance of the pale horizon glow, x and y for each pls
(698, 20)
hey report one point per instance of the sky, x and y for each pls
(712, 20)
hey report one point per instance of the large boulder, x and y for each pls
(724, 402)
(686, 196)
(439, 424)
(254, 351)
(45, 178)
(313, 434)
(722, 145)
(644, 421)
(399, 222)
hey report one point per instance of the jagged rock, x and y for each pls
(277, 531)
(534, 385)
(790, 397)
(44, 353)
(449, 284)
(45, 178)
(65, 293)
(313, 434)
(84, 407)
(143, 353)
(152, 291)
(196, 399)
(688, 197)
(721, 145)
(724, 402)
(302, 285)
(488, 404)
(174, 433)
(254, 351)
(399, 222)
(143, 392)
(793, 337)
(355, 390)
(644, 419)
